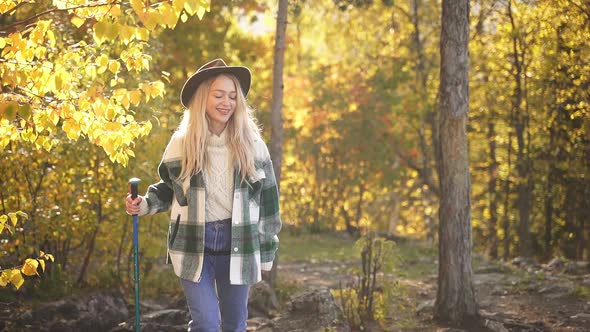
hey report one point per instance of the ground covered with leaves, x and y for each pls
(519, 295)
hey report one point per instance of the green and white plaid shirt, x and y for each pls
(255, 217)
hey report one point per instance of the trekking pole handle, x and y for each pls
(133, 183)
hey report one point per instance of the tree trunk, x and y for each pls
(455, 298)
(506, 204)
(523, 164)
(276, 140)
(492, 192)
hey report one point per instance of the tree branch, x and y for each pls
(26, 21)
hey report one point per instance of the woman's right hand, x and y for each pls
(132, 205)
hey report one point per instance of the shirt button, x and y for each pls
(236, 249)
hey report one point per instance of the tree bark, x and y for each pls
(493, 193)
(520, 122)
(455, 298)
(276, 140)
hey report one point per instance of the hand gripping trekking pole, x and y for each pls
(133, 183)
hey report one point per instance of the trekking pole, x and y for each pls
(133, 183)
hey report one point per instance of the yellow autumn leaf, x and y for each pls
(142, 34)
(30, 267)
(13, 218)
(114, 66)
(16, 278)
(42, 263)
(178, 4)
(4, 280)
(115, 11)
(169, 15)
(100, 29)
(77, 21)
(138, 7)
(135, 97)
(201, 12)
(102, 62)
(190, 7)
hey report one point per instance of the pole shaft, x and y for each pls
(133, 189)
(136, 270)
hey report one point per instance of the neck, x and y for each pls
(216, 129)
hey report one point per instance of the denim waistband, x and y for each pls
(218, 237)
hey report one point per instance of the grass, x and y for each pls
(305, 247)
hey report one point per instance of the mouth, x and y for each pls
(224, 111)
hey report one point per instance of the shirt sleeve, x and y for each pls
(159, 195)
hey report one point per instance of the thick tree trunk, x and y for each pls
(455, 298)
(276, 140)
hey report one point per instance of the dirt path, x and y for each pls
(513, 298)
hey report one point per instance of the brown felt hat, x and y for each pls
(210, 69)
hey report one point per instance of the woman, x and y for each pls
(218, 181)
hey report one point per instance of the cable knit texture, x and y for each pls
(219, 179)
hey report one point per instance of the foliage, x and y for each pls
(369, 297)
(30, 267)
(75, 75)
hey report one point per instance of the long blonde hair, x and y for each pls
(242, 131)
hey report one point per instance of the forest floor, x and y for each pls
(514, 296)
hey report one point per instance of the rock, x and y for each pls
(581, 316)
(255, 323)
(554, 264)
(486, 269)
(555, 289)
(499, 290)
(159, 320)
(495, 326)
(94, 312)
(425, 307)
(168, 316)
(262, 301)
(576, 268)
(313, 311)
(523, 262)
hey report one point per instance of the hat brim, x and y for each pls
(190, 86)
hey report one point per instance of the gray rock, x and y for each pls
(576, 268)
(555, 289)
(93, 312)
(495, 326)
(426, 307)
(262, 301)
(313, 311)
(554, 264)
(581, 316)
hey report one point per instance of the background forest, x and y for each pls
(90, 97)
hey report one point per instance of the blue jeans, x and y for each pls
(213, 301)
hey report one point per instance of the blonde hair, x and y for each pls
(242, 131)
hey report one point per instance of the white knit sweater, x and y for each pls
(219, 179)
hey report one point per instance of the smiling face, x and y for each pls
(221, 103)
